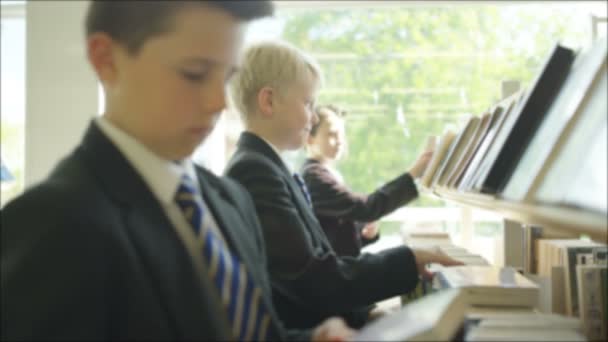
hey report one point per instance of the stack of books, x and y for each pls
(524, 327)
(439, 241)
(489, 285)
(435, 317)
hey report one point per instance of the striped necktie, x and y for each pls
(303, 187)
(241, 297)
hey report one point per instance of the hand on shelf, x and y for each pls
(425, 256)
(333, 329)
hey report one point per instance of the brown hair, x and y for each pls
(323, 112)
(133, 22)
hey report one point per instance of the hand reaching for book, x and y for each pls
(420, 164)
(425, 257)
(370, 230)
(333, 329)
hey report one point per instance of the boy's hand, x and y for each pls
(424, 257)
(370, 230)
(420, 164)
(333, 329)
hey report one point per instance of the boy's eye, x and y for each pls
(193, 76)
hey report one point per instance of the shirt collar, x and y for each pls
(161, 175)
(276, 150)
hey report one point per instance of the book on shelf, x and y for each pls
(576, 173)
(592, 294)
(526, 327)
(434, 317)
(531, 320)
(430, 146)
(440, 242)
(558, 289)
(442, 147)
(472, 145)
(566, 253)
(475, 166)
(456, 149)
(563, 112)
(532, 234)
(520, 126)
(489, 285)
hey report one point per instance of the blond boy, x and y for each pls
(275, 92)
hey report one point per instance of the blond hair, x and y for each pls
(272, 63)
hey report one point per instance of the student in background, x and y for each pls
(347, 217)
(275, 93)
(127, 239)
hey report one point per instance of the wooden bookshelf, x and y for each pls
(561, 218)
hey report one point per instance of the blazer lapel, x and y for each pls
(249, 141)
(231, 224)
(190, 299)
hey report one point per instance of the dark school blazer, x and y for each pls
(310, 281)
(343, 213)
(89, 254)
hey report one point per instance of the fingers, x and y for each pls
(447, 261)
(333, 329)
(425, 274)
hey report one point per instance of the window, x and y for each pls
(12, 57)
(405, 71)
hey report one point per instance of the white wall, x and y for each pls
(61, 88)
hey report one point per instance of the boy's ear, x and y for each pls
(266, 100)
(101, 54)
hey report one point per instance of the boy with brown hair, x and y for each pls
(348, 217)
(127, 239)
(275, 92)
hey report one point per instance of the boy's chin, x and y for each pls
(296, 145)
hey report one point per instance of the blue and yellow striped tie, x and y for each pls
(241, 297)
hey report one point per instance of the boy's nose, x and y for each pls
(215, 101)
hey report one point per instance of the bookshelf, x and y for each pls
(571, 221)
(541, 159)
(538, 159)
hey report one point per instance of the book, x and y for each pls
(516, 333)
(591, 296)
(531, 235)
(562, 113)
(518, 128)
(531, 320)
(565, 253)
(456, 150)
(522, 326)
(580, 158)
(472, 145)
(442, 147)
(571, 256)
(489, 285)
(514, 244)
(558, 291)
(434, 317)
(476, 164)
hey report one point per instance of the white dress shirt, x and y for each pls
(162, 178)
(276, 150)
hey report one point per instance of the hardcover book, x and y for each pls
(519, 127)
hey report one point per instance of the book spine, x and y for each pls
(592, 311)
